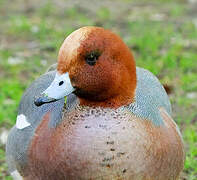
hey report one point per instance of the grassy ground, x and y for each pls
(162, 34)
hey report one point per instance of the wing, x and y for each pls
(28, 118)
(150, 96)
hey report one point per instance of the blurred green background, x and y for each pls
(161, 33)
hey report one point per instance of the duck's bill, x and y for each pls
(59, 88)
(43, 100)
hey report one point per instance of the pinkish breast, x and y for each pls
(105, 144)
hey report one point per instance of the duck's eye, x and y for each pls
(61, 82)
(92, 57)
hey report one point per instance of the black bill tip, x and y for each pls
(39, 101)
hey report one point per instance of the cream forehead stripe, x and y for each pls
(73, 42)
(60, 87)
(21, 122)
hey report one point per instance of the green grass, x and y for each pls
(162, 35)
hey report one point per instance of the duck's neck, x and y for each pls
(114, 102)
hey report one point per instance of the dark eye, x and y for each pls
(61, 82)
(92, 57)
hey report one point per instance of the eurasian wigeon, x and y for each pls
(116, 122)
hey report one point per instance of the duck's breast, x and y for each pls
(106, 144)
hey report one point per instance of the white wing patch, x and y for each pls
(16, 176)
(21, 122)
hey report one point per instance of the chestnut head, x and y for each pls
(97, 66)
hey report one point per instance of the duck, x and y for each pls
(95, 116)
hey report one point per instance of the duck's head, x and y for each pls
(97, 66)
